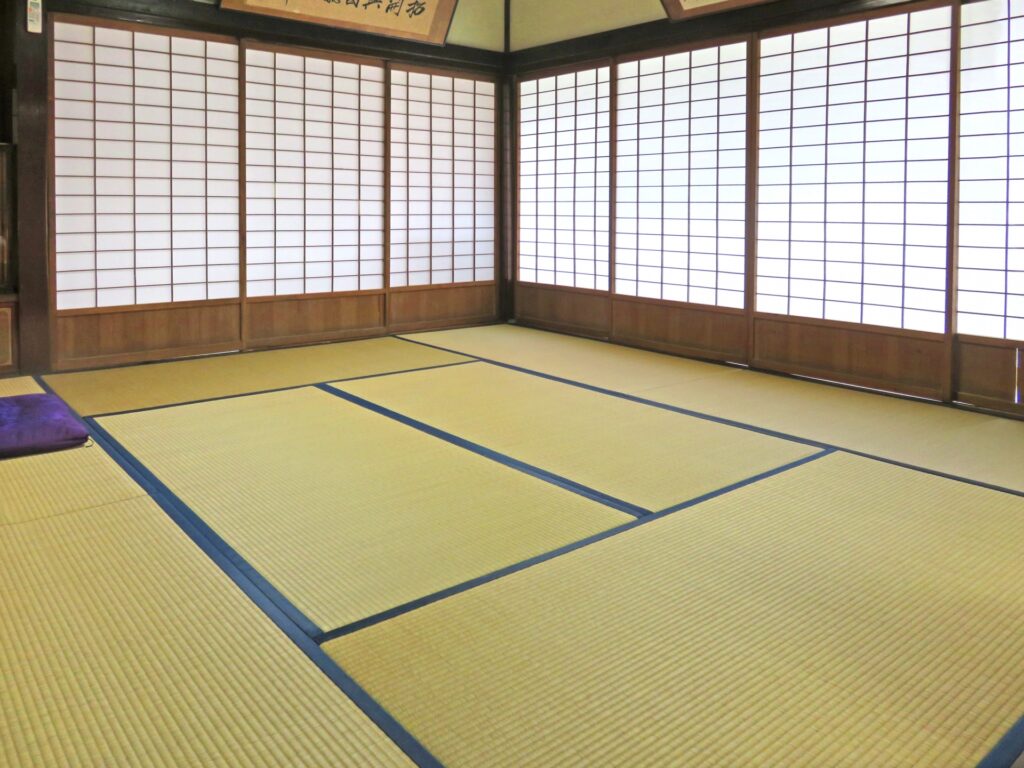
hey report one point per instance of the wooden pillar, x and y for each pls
(31, 137)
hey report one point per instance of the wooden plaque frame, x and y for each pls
(433, 29)
(677, 9)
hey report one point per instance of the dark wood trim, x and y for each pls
(146, 307)
(201, 17)
(752, 181)
(613, 186)
(507, 220)
(439, 286)
(33, 78)
(448, 70)
(243, 196)
(881, 330)
(8, 335)
(952, 205)
(564, 69)
(507, 23)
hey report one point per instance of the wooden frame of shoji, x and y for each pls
(103, 335)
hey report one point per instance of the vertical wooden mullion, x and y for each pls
(386, 308)
(753, 121)
(949, 379)
(513, 142)
(305, 178)
(359, 176)
(95, 177)
(243, 226)
(613, 171)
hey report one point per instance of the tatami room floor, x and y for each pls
(503, 547)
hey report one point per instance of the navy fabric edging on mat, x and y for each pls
(285, 621)
(723, 421)
(183, 517)
(279, 389)
(1008, 750)
(508, 461)
(156, 488)
(465, 586)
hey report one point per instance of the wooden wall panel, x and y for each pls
(441, 306)
(684, 329)
(101, 337)
(910, 362)
(988, 373)
(281, 320)
(571, 310)
(8, 336)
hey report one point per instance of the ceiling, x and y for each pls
(480, 23)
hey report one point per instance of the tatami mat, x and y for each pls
(145, 386)
(611, 366)
(33, 487)
(19, 385)
(643, 455)
(986, 448)
(847, 613)
(123, 645)
(346, 512)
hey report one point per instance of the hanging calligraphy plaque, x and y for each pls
(685, 9)
(423, 20)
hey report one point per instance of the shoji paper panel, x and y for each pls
(681, 168)
(146, 160)
(314, 174)
(564, 179)
(442, 179)
(990, 300)
(853, 172)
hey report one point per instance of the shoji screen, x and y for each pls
(564, 151)
(853, 172)
(681, 167)
(442, 179)
(314, 164)
(990, 300)
(146, 162)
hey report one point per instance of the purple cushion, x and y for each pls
(36, 424)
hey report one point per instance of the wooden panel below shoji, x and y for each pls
(569, 310)
(8, 334)
(911, 362)
(282, 320)
(100, 337)
(988, 373)
(441, 306)
(715, 333)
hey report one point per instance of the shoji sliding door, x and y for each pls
(442, 198)
(990, 299)
(314, 195)
(853, 201)
(146, 167)
(564, 199)
(680, 191)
